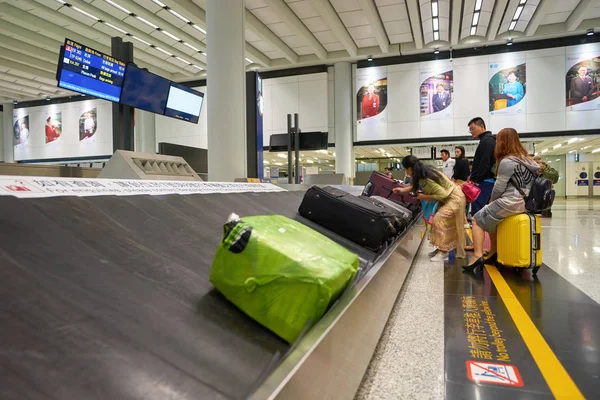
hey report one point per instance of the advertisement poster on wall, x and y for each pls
(371, 101)
(507, 88)
(436, 93)
(583, 82)
(21, 130)
(53, 127)
(88, 124)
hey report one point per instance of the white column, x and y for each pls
(145, 132)
(226, 84)
(344, 143)
(7, 124)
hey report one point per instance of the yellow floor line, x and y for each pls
(560, 383)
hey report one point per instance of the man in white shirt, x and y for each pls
(448, 163)
(88, 125)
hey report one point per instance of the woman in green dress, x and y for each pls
(447, 232)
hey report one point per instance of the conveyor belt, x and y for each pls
(109, 298)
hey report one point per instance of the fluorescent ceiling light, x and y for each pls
(198, 28)
(434, 8)
(181, 17)
(544, 151)
(512, 25)
(112, 3)
(182, 60)
(475, 18)
(204, 54)
(170, 35)
(115, 28)
(197, 67)
(436, 35)
(597, 150)
(478, 5)
(572, 151)
(163, 51)
(436, 24)
(281, 155)
(585, 148)
(141, 40)
(62, 2)
(310, 161)
(146, 22)
(558, 146)
(523, 2)
(518, 12)
(573, 140)
(382, 151)
(79, 10)
(159, 3)
(190, 46)
(473, 30)
(249, 60)
(558, 159)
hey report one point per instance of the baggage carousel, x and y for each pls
(108, 297)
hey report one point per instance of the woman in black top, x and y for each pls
(461, 168)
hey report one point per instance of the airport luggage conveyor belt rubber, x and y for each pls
(108, 297)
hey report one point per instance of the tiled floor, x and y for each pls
(409, 361)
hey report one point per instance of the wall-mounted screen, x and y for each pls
(145, 90)
(88, 71)
(184, 103)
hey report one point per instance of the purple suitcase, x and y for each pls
(382, 186)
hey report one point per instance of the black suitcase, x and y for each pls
(404, 215)
(366, 224)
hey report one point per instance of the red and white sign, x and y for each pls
(496, 374)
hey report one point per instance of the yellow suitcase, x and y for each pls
(520, 242)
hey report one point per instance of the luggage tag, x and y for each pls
(236, 234)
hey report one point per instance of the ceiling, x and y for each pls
(169, 36)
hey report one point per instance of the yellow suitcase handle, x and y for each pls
(536, 240)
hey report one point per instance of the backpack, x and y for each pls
(541, 196)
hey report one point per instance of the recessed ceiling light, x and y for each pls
(112, 3)
(48, 98)
(370, 58)
(199, 28)
(87, 14)
(590, 32)
(436, 51)
(509, 42)
(170, 35)
(146, 22)
(181, 17)
(15, 102)
(116, 28)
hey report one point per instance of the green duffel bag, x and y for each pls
(280, 272)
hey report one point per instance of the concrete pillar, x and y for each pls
(145, 132)
(7, 140)
(344, 143)
(226, 84)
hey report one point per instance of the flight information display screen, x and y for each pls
(88, 71)
(184, 103)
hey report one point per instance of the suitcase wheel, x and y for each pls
(534, 271)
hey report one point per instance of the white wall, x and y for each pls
(174, 131)
(544, 110)
(68, 145)
(307, 95)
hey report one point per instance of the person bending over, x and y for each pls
(447, 231)
(506, 200)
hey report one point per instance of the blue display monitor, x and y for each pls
(88, 71)
(184, 103)
(145, 90)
